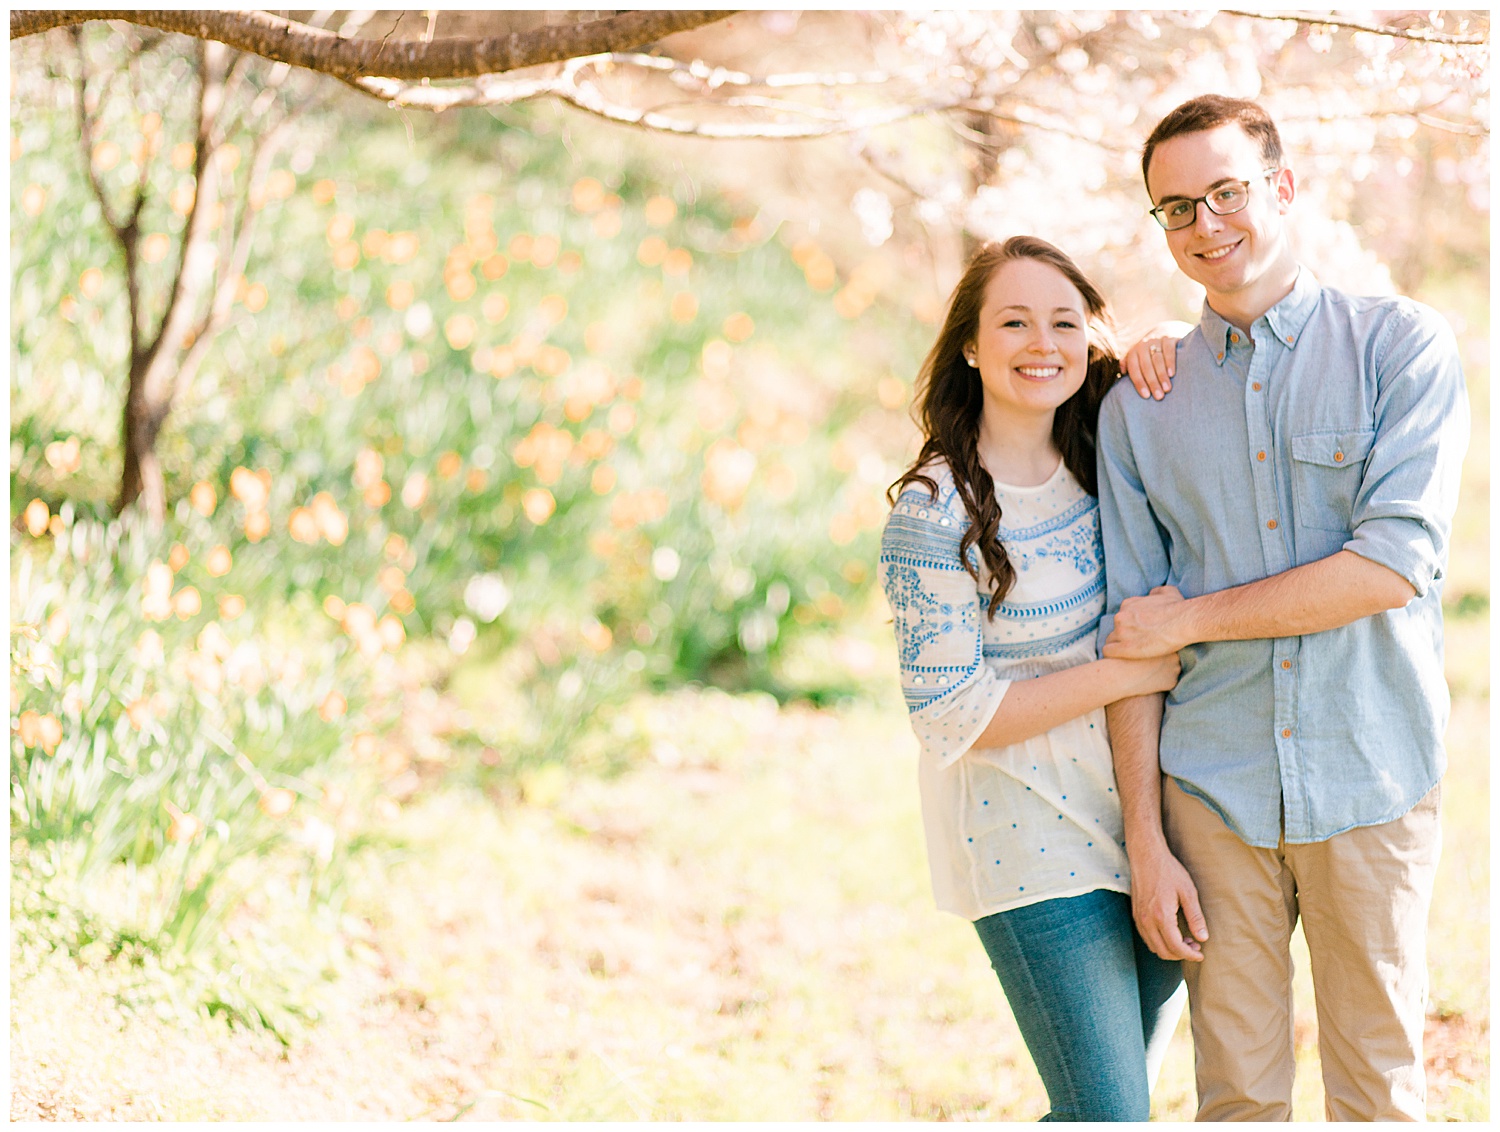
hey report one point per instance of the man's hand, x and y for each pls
(1159, 887)
(1149, 626)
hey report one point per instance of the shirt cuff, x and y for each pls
(1401, 545)
(947, 735)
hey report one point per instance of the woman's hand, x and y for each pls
(1154, 674)
(1152, 362)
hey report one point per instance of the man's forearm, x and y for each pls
(1322, 595)
(1134, 736)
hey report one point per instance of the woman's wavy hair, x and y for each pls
(950, 399)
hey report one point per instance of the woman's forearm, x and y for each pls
(1035, 706)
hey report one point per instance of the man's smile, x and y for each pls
(1218, 253)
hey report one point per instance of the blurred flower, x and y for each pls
(276, 802)
(400, 294)
(204, 673)
(138, 712)
(177, 558)
(414, 491)
(57, 626)
(333, 706)
(727, 471)
(203, 498)
(486, 596)
(495, 307)
(148, 647)
(253, 489)
(363, 745)
(184, 825)
(390, 579)
(318, 837)
(460, 328)
(652, 251)
(231, 606)
(213, 641)
(665, 563)
(218, 561)
(660, 211)
(588, 195)
(37, 729)
(538, 504)
(544, 250)
(603, 480)
(32, 200)
(461, 636)
(449, 464)
(333, 605)
(302, 526)
(684, 307)
(156, 597)
(369, 466)
(257, 525)
(64, 456)
(36, 515)
(392, 632)
(330, 522)
(154, 248)
(186, 603)
(597, 635)
(678, 261)
(358, 619)
(418, 320)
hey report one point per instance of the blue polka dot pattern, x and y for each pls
(1006, 826)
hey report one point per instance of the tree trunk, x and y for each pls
(141, 478)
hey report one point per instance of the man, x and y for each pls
(1282, 520)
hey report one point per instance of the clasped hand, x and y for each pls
(1148, 626)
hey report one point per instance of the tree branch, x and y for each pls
(302, 45)
(1420, 35)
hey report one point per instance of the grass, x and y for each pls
(738, 928)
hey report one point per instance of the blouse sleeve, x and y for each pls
(951, 694)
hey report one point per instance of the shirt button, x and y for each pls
(1289, 339)
(1234, 337)
(1338, 457)
(1286, 664)
(1260, 455)
(1221, 357)
(1256, 387)
(1270, 524)
(1286, 732)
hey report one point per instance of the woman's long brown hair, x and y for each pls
(950, 400)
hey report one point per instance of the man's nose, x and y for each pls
(1206, 219)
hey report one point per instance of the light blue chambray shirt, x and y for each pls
(1341, 424)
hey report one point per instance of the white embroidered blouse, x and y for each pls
(1039, 819)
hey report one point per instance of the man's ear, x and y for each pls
(1286, 189)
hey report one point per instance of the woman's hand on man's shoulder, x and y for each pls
(1151, 363)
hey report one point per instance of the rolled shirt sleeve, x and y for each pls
(951, 693)
(1135, 546)
(1402, 512)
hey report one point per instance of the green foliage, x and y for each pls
(576, 421)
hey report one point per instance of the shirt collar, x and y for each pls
(1286, 319)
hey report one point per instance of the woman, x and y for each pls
(992, 563)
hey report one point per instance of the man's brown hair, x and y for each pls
(1208, 111)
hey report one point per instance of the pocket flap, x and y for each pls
(1336, 449)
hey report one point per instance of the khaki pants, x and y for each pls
(1363, 897)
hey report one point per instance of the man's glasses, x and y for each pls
(1226, 198)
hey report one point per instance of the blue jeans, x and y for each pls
(1096, 1007)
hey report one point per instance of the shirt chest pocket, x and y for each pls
(1327, 470)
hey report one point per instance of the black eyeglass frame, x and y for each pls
(1159, 212)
